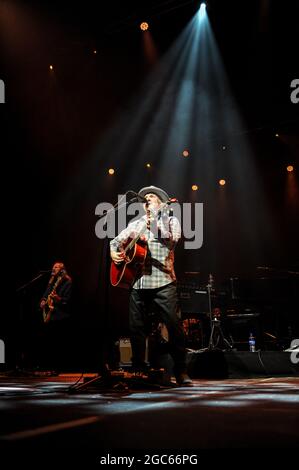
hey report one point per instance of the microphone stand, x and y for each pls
(116, 207)
(19, 353)
(104, 377)
(32, 281)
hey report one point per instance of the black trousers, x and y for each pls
(164, 302)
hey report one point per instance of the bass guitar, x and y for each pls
(49, 303)
(135, 250)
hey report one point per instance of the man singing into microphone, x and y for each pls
(155, 287)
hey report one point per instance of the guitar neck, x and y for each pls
(134, 241)
(55, 285)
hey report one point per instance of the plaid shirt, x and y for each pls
(161, 238)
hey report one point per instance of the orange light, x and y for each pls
(194, 187)
(111, 171)
(222, 182)
(185, 153)
(144, 26)
(148, 165)
(290, 168)
(51, 67)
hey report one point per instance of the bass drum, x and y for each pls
(193, 331)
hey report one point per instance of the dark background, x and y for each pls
(55, 165)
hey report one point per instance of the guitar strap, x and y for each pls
(148, 219)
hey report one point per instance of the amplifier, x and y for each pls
(125, 351)
(193, 301)
(239, 326)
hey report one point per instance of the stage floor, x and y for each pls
(229, 415)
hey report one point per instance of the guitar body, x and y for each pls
(48, 308)
(124, 274)
(49, 305)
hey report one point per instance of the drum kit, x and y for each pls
(203, 330)
(224, 318)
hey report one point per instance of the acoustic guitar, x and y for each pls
(124, 274)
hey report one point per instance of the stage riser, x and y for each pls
(237, 364)
(219, 364)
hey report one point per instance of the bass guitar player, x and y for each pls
(55, 300)
(55, 350)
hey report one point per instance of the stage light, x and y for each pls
(194, 187)
(144, 26)
(276, 135)
(148, 165)
(111, 171)
(290, 168)
(185, 153)
(223, 147)
(222, 182)
(51, 67)
(95, 51)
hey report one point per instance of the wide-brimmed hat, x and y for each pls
(162, 195)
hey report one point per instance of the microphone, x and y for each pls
(138, 198)
(45, 271)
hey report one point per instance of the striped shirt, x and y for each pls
(161, 237)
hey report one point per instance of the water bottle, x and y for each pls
(251, 343)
